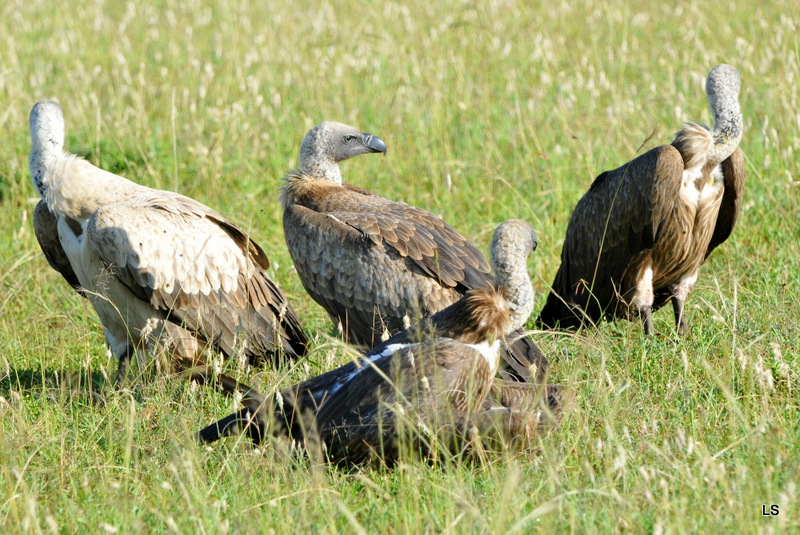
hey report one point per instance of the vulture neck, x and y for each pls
(319, 166)
(47, 149)
(722, 88)
(702, 148)
(71, 186)
(513, 282)
(74, 188)
(301, 188)
(727, 132)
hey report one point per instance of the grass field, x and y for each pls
(491, 110)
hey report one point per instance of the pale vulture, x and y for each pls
(638, 237)
(433, 382)
(377, 266)
(167, 275)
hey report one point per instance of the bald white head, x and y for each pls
(511, 244)
(722, 88)
(47, 138)
(329, 143)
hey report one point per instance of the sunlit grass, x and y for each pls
(490, 110)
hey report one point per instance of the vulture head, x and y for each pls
(47, 137)
(329, 143)
(511, 244)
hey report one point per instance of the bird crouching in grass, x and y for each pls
(426, 388)
(168, 276)
(637, 238)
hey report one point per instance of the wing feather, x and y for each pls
(355, 279)
(45, 226)
(202, 271)
(400, 261)
(617, 219)
(733, 170)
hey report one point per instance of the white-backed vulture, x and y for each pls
(167, 275)
(435, 380)
(377, 266)
(638, 237)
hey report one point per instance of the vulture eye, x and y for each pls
(348, 139)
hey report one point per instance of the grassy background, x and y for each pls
(491, 110)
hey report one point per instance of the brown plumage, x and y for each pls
(45, 227)
(638, 237)
(425, 385)
(167, 275)
(375, 265)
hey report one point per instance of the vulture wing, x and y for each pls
(522, 359)
(392, 262)
(617, 219)
(436, 247)
(733, 171)
(45, 226)
(202, 271)
(436, 382)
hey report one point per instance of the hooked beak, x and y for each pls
(374, 143)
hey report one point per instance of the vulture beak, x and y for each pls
(374, 143)
(535, 241)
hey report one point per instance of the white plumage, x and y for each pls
(163, 271)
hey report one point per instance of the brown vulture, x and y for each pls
(435, 383)
(167, 275)
(638, 237)
(377, 266)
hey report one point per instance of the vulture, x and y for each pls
(434, 384)
(167, 275)
(638, 237)
(375, 265)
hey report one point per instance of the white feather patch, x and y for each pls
(685, 286)
(644, 290)
(391, 349)
(490, 352)
(714, 185)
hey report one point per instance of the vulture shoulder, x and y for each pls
(45, 226)
(436, 247)
(733, 172)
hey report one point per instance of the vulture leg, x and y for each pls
(647, 312)
(122, 367)
(680, 317)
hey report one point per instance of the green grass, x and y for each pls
(491, 110)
